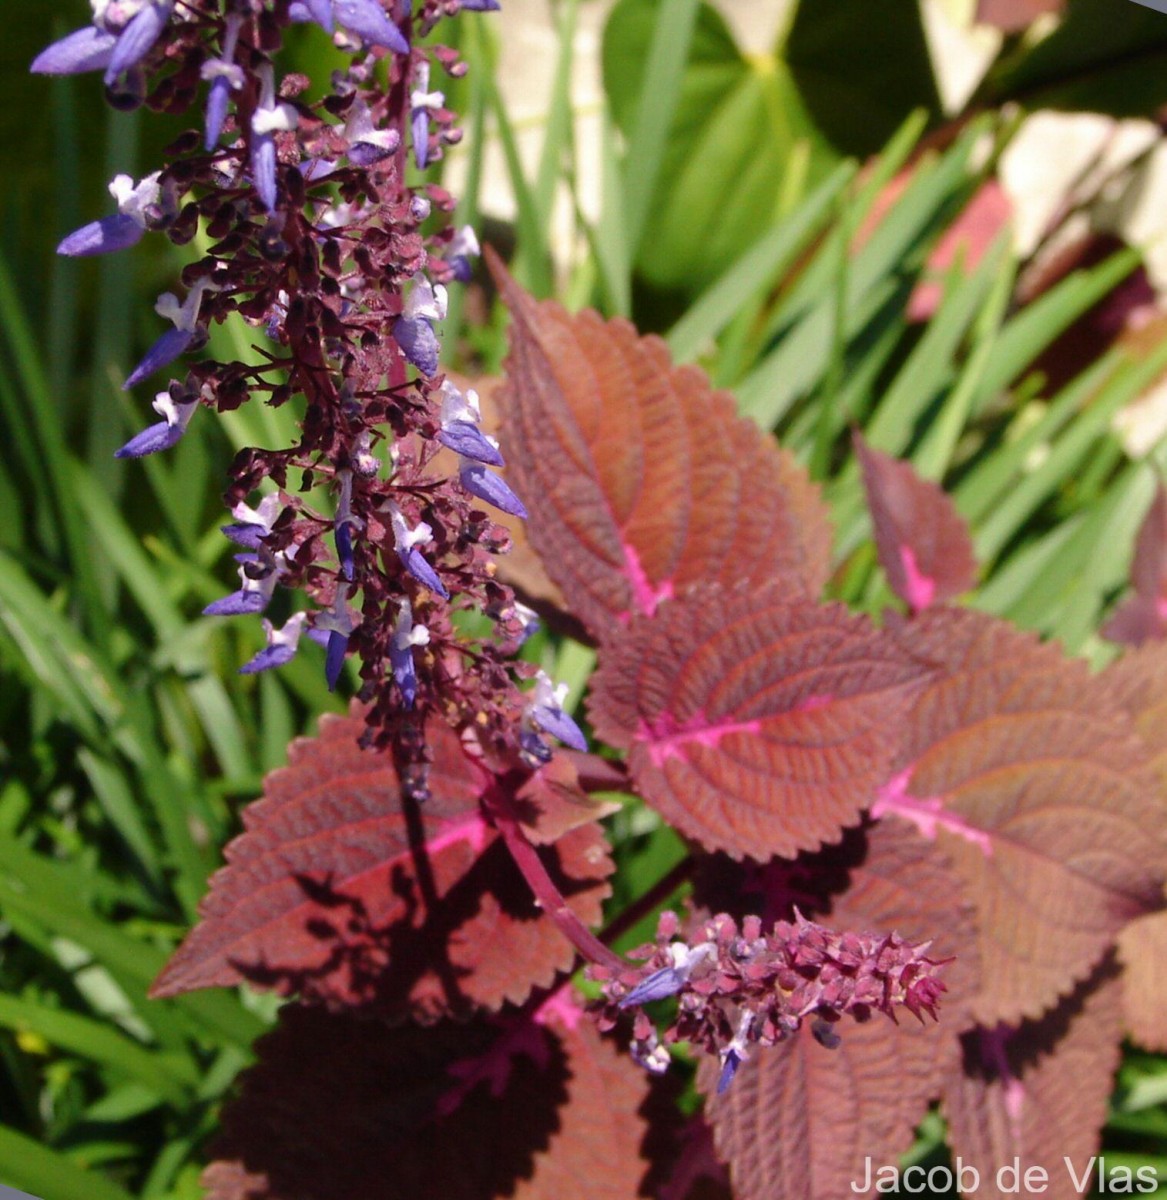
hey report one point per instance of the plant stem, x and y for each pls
(547, 894)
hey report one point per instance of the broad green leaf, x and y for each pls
(860, 68)
(736, 123)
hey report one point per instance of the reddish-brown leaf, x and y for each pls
(1138, 681)
(1032, 1097)
(340, 893)
(1142, 950)
(799, 1120)
(340, 1108)
(924, 546)
(755, 723)
(1143, 616)
(1032, 779)
(641, 480)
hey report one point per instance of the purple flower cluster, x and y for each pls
(317, 238)
(740, 988)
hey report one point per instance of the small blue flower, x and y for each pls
(544, 710)
(281, 645)
(226, 76)
(316, 168)
(481, 5)
(88, 49)
(252, 525)
(344, 522)
(414, 330)
(125, 227)
(668, 981)
(461, 415)
(171, 344)
(367, 144)
(730, 1061)
(138, 36)
(406, 541)
(368, 20)
(406, 635)
(319, 11)
(735, 1053)
(333, 629)
(492, 488)
(462, 247)
(528, 618)
(421, 103)
(534, 747)
(270, 116)
(256, 586)
(166, 433)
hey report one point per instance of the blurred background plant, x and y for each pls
(938, 220)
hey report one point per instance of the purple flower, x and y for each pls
(545, 711)
(172, 343)
(367, 144)
(225, 76)
(421, 102)
(281, 645)
(414, 331)
(334, 628)
(88, 49)
(319, 11)
(257, 582)
(252, 525)
(270, 116)
(138, 36)
(463, 246)
(406, 635)
(368, 20)
(528, 618)
(406, 541)
(481, 5)
(461, 415)
(343, 523)
(492, 488)
(166, 433)
(735, 1053)
(125, 227)
(668, 981)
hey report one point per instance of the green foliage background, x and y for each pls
(128, 743)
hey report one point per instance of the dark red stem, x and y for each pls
(547, 895)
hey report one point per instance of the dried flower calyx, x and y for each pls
(737, 988)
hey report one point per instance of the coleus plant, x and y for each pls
(874, 815)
